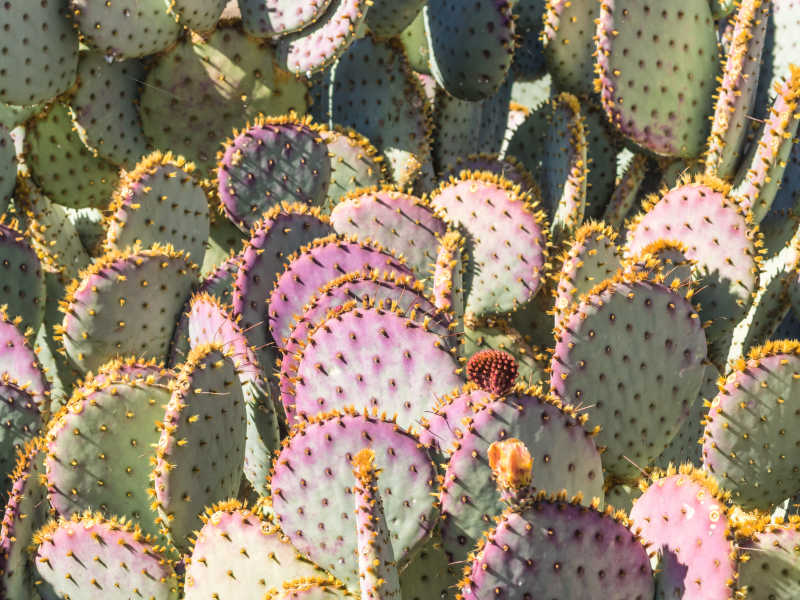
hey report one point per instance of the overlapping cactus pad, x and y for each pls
(400, 299)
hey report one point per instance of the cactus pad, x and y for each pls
(355, 163)
(311, 488)
(683, 518)
(315, 265)
(22, 290)
(272, 18)
(564, 457)
(508, 235)
(106, 315)
(160, 201)
(633, 353)
(344, 359)
(18, 361)
(561, 549)
(130, 563)
(273, 160)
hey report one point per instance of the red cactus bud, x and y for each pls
(492, 370)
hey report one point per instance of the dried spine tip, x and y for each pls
(494, 371)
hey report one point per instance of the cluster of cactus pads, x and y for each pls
(400, 299)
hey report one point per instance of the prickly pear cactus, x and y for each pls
(106, 314)
(635, 348)
(749, 434)
(23, 291)
(67, 551)
(312, 496)
(274, 160)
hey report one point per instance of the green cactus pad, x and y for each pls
(88, 223)
(602, 146)
(661, 99)
(312, 496)
(737, 90)
(8, 166)
(456, 125)
(387, 18)
(633, 353)
(67, 171)
(402, 222)
(317, 46)
(559, 167)
(197, 15)
(475, 70)
(686, 446)
(22, 291)
(67, 550)
(124, 30)
(624, 198)
(217, 567)
(51, 233)
(561, 549)
(99, 446)
(765, 164)
(274, 160)
(105, 108)
(160, 201)
(772, 568)
(564, 457)
(568, 40)
(388, 106)
(355, 163)
(342, 363)
(26, 511)
(209, 321)
(719, 237)
(508, 167)
(750, 435)
(203, 432)
(107, 315)
(188, 80)
(21, 422)
(428, 574)
(415, 44)
(40, 55)
(592, 258)
(508, 238)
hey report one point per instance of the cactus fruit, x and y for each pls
(270, 161)
(475, 71)
(399, 221)
(508, 234)
(565, 455)
(666, 112)
(560, 548)
(493, 371)
(106, 315)
(190, 73)
(99, 445)
(159, 201)
(342, 363)
(748, 434)
(217, 565)
(132, 565)
(683, 517)
(631, 350)
(203, 432)
(44, 63)
(311, 485)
